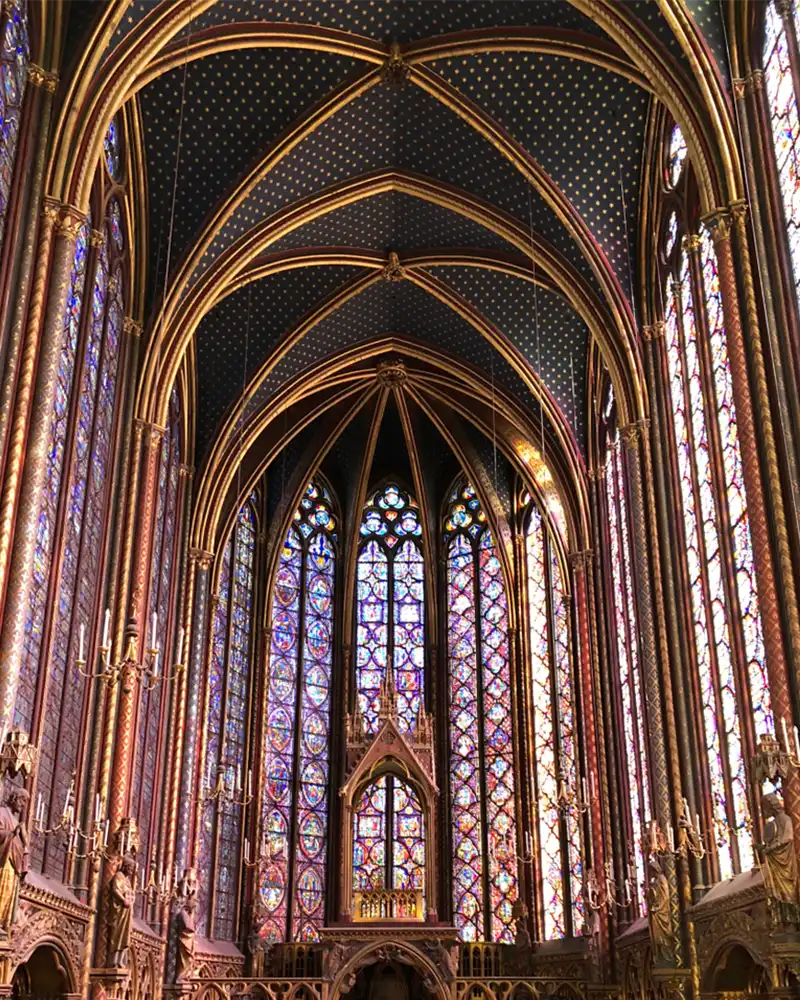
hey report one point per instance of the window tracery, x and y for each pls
(389, 837)
(482, 774)
(390, 606)
(555, 749)
(629, 679)
(228, 697)
(296, 760)
(73, 522)
(14, 59)
(717, 545)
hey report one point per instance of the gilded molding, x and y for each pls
(579, 561)
(691, 244)
(39, 77)
(740, 88)
(96, 238)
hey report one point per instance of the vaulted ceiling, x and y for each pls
(471, 138)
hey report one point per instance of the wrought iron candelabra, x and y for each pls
(146, 670)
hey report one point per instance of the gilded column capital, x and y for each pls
(113, 284)
(201, 558)
(96, 238)
(50, 212)
(718, 224)
(692, 244)
(632, 432)
(740, 86)
(598, 473)
(784, 8)
(261, 538)
(39, 77)
(186, 471)
(756, 81)
(739, 209)
(69, 222)
(580, 560)
(154, 431)
(132, 327)
(654, 331)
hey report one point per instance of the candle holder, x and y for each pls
(501, 849)
(228, 788)
(130, 668)
(599, 897)
(157, 889)
(569, 798)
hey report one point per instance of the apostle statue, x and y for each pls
(519, 914)
(121, 896)
(13, 854)
(186, 926)
(658, 912)
(780, 859)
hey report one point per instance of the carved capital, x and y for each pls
(201, 557)
(655, 331)
(692, 244)
(393, 270)
(739, 89)
(718, 224)
(756, 81)
(632, 433)
(784, 8)
(580, 560)
(96, 238)
(132, 327)
(50, 212)
(39, 77)
(69, 222)
(186, 471)
(598, 474)
(739, 210)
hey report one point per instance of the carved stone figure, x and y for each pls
(186, 924)
(13, 854)
(121, 896)
(658, 912)
(519, 914)
(780, 860)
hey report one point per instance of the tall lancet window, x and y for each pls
(14, 59)
(482, 779)
(728, 645)
(390, 606)
(74, 522)
(296, 757)
(781, 69)
(629, 688)
(228, 699)
(555, 739)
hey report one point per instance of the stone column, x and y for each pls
(27, 459)
(719, 225)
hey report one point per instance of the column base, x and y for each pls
(109, 984)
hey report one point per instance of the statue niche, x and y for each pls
(388, 816)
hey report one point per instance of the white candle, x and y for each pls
(583, 789)
(670, 837)
(785, 734)
(796, 742)
(155, 665)
(81, 634)
(105, 834)
(180, 644)
(154, 631)
(249, 783)
(592, 784)
(97, 808)
(106, 629)
(246, 849)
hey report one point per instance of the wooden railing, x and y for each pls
(374, 905)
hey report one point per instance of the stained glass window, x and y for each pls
(148, 773)
(14, 57)
(228, 697)
(628, 669)
(717, 543)
(482, 780)
(390, 606)
(389, 837)
(676, 156)
(783, 114)
(555, 750)
(111, 149)
(297, 745)
(83, 429)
